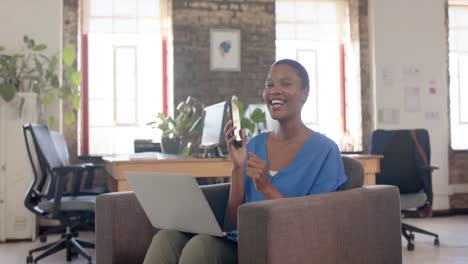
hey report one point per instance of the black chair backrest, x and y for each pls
(41, 179)
(61, 147)
(46, 145)
(399, 166)
(355, 172)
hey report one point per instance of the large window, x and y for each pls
(314, 33)
(458, 70)
(124, 72)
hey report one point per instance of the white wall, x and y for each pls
(40, 20)
(409, 56)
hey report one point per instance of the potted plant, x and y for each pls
(250, 122)
(30, 70)
(177, 132)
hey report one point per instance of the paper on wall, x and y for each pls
(412, 99)
(389, 116)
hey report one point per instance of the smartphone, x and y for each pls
(236, 121)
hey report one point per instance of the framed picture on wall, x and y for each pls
(225, 49)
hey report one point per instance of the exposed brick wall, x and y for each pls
(458, 167)
(367, 93)
(459, 201)
(192, 21)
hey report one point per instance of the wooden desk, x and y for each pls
(156, 162)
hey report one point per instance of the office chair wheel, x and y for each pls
(410, 246)
(436, 243)
(42, 238)
(29, 260)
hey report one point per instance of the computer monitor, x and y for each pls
(213, 126)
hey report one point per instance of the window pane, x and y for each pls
(464, 112)
(125, 8)
(125, 60)
(115, 69)
(327, 12)
(461, 17)
(308, 58)
(101, 86)
(125, 112)
(100, 58)
(148, 26)
(101, 113)
(329, 32)
(458, 70)
(285, 31)
(285, 53)
(101, 8)
(306, 11)
(309, 112)
(125, 26)
(284, 11)
(125, 85)
(100, 26)
(148, 8)
(102, 140)
(308, 32)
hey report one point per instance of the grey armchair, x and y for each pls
(356, 225)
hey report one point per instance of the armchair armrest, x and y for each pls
(123, 231)
(68, 168)
(430, 168)
(356, 226)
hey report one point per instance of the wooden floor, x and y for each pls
(453, 233)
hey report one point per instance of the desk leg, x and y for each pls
(369, 179)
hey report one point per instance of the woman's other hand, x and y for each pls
(257, 170)
(238, 155)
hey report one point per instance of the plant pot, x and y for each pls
(171, 145)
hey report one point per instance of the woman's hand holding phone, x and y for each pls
(238, 154)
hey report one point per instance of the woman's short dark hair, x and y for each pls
(301, 71)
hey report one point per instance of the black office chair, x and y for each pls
(45, 197)
(406, 165)
(90, 168)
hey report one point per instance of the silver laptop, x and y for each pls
(174, 201)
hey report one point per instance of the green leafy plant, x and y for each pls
(30, 70)
(252, 122)
(187, 122)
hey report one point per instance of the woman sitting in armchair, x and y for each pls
(290, 161)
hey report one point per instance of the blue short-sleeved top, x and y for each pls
(317, 168)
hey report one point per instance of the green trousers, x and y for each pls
(173, 247)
